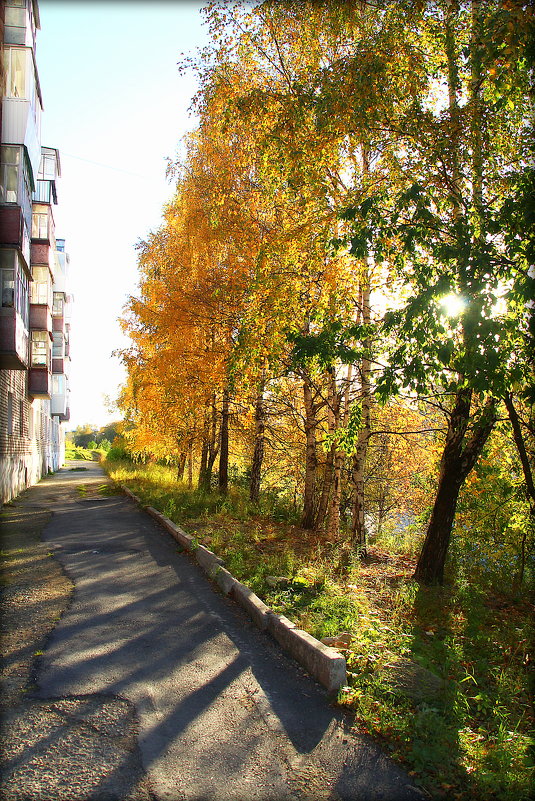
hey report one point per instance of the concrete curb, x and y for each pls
(253, 605)
(321, 661)
(325, 664)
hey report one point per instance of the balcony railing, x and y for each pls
(39, 382)
(40, 317)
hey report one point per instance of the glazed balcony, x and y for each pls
(14, 348)
(43, 228)
(59, 399)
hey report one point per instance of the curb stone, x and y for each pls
(324, 663)
(253, 605)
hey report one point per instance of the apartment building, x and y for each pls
(35, 305)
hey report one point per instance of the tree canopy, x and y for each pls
(346, 265)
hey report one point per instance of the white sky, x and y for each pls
(116, 108)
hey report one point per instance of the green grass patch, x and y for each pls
(74, 452)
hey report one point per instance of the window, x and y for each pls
(47, 169)
(15, 22)
(16, 65)
(58, 384)
(21, 418)
(8, 288)
(41, 285)
(9, 182)
(40, 349)
(13, 283)
(57, 305)
(57, 345)
(21, 297)
(40, 225)
(16, 182)
(10, 413)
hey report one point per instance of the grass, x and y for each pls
(471, 740)
(106, 490)
(77, 453)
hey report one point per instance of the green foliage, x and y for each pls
(437, 257)
(346, 437)
(494, 537)
(117, 453)
(334, 342)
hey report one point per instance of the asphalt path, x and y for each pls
(222, 714)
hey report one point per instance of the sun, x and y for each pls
(453, 305)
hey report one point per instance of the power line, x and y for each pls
(105, 166)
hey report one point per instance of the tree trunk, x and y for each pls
(258, 451)
(181, 465)
(204, 455)
(223, 448)
(321, 511)
(528, 478)
(311, 455)
(333, 405)
(210, 448)
(358, 524)
(333, 523)
(190, 463)
(522, 450)
(213, 445)
(458, 459)
(430, 567)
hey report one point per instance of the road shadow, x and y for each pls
(147, 625)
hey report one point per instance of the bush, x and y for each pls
(117, 453)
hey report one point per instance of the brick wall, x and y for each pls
(31, 442)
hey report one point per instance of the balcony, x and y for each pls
(43, 228)
(58, 405)
(58, 366)
(39, 382)
(43, 254)
(45, 192)
(40, 317)
(13, 230)
(14, 349)
(59, 399)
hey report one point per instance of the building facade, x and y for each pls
(35, 305)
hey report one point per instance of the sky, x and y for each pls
(116, 109)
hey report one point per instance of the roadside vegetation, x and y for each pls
(470, 737)
(75, 452)
(90, 443)
(330, 359)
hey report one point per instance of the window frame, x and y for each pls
(40, 357)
